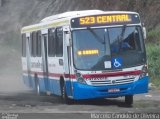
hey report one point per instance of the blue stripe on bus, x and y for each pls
(53, 85)
(82, 91)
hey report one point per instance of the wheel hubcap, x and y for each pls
(38, 88)
(63, 93)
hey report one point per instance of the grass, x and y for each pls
(153, 54)
(153, 36)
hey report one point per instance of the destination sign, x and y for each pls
(102, 20)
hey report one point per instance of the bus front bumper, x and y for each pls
(82, 91)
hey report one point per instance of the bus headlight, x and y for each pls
(80, 79)
(144, 71)
(78, 75)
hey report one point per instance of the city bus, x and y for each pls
(86, 54)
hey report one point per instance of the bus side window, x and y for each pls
(33, 44)
(59, 42)
(23, 45)
(38, 51)
(51, 43)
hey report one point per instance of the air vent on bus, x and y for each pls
(112, 82)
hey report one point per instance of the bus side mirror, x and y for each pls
(67, 35)
(67, 39)
(144, 33)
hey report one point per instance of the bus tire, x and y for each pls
(129, 100)
(64, 96)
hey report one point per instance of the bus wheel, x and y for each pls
(64, 96)
(129, 100)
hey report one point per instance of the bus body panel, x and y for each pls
(82, 91)
(54, 85)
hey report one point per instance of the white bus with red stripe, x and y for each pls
(85, 55)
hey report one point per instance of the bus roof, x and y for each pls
(71, 14)
(64, 19)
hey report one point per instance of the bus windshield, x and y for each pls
(94, 47)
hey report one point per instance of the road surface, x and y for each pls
(37, 107)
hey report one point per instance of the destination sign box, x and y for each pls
(103, 20)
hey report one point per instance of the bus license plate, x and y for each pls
(113, 90)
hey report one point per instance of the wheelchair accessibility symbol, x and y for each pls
(117, 62)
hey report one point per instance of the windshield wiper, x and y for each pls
(102, 41)
(120, 39)
(122, 33)
(98, 38)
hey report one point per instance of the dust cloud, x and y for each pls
(10, 71)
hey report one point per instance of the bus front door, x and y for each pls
(28, 59)
(68, 66)
(45, 61)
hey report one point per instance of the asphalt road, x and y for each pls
(27, 105)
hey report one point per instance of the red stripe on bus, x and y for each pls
(113, 74)
(72, 76)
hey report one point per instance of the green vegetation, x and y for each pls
(153, 54)
(154, 36)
